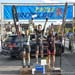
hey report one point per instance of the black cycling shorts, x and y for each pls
(39, 46)
(27, 48)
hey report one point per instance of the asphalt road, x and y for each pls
(12, 66)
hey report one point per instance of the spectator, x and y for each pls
(58, 44)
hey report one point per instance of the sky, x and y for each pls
(35, 1)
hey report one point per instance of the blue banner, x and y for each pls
(25, 12)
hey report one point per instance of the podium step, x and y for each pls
(26, 71)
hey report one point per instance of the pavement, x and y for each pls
(10, 66)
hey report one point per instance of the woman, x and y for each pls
(51, 48)
(27, 49)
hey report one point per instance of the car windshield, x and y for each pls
(15, 39)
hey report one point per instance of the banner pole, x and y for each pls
(63, 29)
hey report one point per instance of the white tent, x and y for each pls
(36, 1)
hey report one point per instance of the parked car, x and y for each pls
(13, 45)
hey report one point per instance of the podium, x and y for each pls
(40, 69)
(28, 71)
